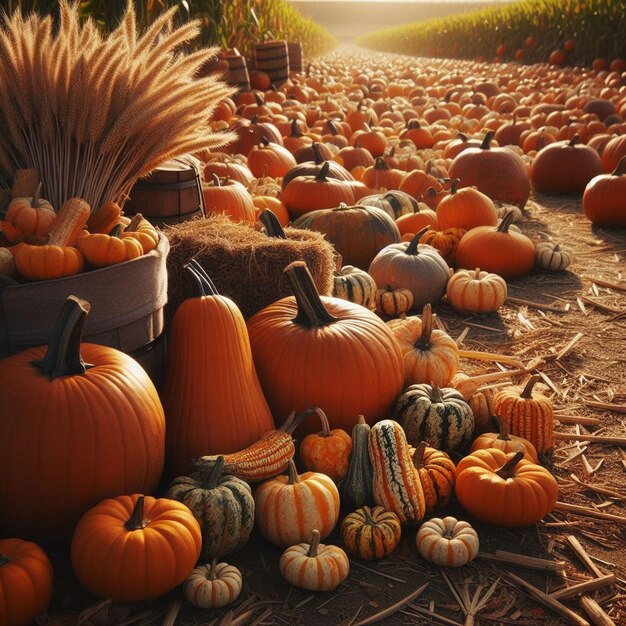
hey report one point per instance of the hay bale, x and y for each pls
(245, 264)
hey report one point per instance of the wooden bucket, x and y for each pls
(238, 75)
(127, 309)
(170, 194)
(273, 59)
(295, 56)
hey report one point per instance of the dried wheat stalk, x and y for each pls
(93, 114)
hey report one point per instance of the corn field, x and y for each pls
(228, 23)
(595, 27)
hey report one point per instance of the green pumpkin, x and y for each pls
(357, 487)
(222, 504)
(355, 285)
(440, 417)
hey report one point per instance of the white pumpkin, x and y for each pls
(448, 541)
(552, 257)
(356, 285)
(213, 586)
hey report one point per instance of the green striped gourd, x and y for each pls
(354, 284)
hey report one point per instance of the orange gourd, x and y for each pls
(506, 442)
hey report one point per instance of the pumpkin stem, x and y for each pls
(477, 273)
(272, 225)
(331, 126)
(215, 179)
(380, 164)
(210, 474)
(621, 167)
(317, 153)
(322, 175)
(134, 223)
(506, 222)
(508, 469)
(202, 283)
(314, 544)
(435, 393)
(418, 455)
(557, 248)
(292, 472)
(454, 186)
(292, 422)
(361, 419)
(486, 144)
(35, 203)
(423, 343)
(575, 140)
(503, 428)
(116, 231)
(367, 513)
(295, 129)
(311, 310)
(324, 420)
(63, 355)
(212, 574)
(412, 247)
(527, 392)
(136, 521)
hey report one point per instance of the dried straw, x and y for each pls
(94, 114)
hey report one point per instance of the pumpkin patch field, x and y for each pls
(381, 374)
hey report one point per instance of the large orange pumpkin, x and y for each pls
(604, 199)
(465, 208)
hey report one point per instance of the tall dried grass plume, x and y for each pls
(92, 113)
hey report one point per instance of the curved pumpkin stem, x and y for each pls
(322, 175)
(292, 472)
(314, 544)
(202, 283)
(503, 428)
(508, 469)
(367, 514)
(293, 421)
(272, 225)
(317, 153)
(454, 185)
(412, 247)
(527, 391)
(621, 167)
(506, 222)
(35, 202)
(295, 129)
(418, 455)
(215, 179)
(574, 141)
(63, 356)
(311, 310)
(136, 521)
(486, 144)
(134, 223)
(423, 343)
(324, 421)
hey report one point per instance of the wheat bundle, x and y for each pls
(246, 265)
(92, 114)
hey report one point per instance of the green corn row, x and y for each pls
(596, 26)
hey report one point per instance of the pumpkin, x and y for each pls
(213, 586)
(413, 266)
(393, 302)
(604, 198)
(422, 217)
(226, 166)
(31, 215)
(25, 582)
(440, 417)
(435, 470)
(251, 133)
(314, 566)
(476, 291)
(48, 262)
(396, 484)
(325, 348)
(506, 442)
(497, 250)
(447, 542)
(565, 167)
(381, 176)
(308, 166)
(395, 203)
(328, 451)
(355, 285)
(95, 408)
(444, 241)
(270, 203)
(481, 404)
(117, 543)
(104, 250)
(429, 355)
(105, 218)
(552, 257)
(499, 173)
(504, 489)
(270, 159)
(143, 231)
(227, 196)
(289, 507)
(356, 487)
(527, 416)
(465, 209)
(357, 233)
(212, 397)
(222, 504)
(9, 234)
(371, 533)
(613, 152)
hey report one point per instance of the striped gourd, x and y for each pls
(440, 417)
(393, 302)
(265, 458)
(436, 474)
(222, 504)
(355, 285)
(395, 203)
(527, 415)
(356, 488)
(396, 484)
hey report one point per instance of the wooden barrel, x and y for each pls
(170, 194)
(273, 59)
(295, 56)
(237, 69)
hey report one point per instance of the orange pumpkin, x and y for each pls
(230, 198)
(444, 241)
(476, 291)
(435, 470)
(604, 199)
(31, 215)
(502, 440)
(465, 209)
(104, 250)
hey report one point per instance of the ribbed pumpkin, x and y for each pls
(435, 470)
(447, 542)
(357, 233)
(25, 582)
(499, 173)
(325, 348)
(414, 266)
(99, 424)
(551, 257)
(355, 285)
(381, 176)
(422, 217)
(289, 507)
(103, 250)
(465, 209)
(313, 565)
(356, 488)
(371, 533)
(506, 442)
(213, 401)
(475, 291)
(227, 196)
(613, 152)
(498, 250)
(31, 215)
(604, 199)
(213, 586)
(133, 548)
(529, 416)
(393, 302)
(395, 203)
(270, 159)
(429, 355)
(314, 166)
(504, 489)
(444, 241)
(440, 417)
(222, 504)
(396, 484)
